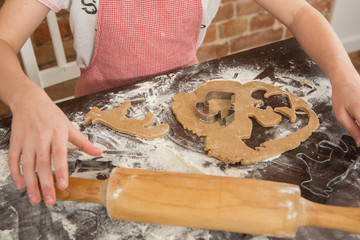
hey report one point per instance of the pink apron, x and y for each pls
(136, 39)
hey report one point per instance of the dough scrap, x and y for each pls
(116, 119)
(225, 142)
(72, 147)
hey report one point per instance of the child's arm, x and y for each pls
(320, 42)
(40, 130)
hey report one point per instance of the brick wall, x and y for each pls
(238, 25)
(242, 24)
(42, 41)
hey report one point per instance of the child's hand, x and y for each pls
(40, 132)
(346, 105)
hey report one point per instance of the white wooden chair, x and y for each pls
(64, 70)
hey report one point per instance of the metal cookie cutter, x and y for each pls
(202, 109)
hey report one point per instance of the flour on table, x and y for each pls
(4, 168)
(168, 153)
(8, 234)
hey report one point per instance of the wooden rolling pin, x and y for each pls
(210, 202)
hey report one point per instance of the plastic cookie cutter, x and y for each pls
(202, 109)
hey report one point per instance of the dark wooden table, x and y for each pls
(326, 166)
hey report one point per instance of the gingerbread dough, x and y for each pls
(225, 142)
(116, 119)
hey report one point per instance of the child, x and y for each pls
(127, 40)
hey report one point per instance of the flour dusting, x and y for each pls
(4, 168)
(8, 234)
(179, 151)
(166, 153)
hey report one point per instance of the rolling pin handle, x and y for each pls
(84, 190)
(332, 217)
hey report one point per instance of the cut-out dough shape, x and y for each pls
(116, 119)
(225, 142)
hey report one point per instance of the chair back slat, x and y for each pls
(62, 72)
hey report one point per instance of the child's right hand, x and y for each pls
(346, 102)
(40, 132)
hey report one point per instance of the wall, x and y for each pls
(242, 24)
(238, 25)
(345, 21)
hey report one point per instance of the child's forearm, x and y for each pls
(18, 20)
(322, 44)
(12, 78)
(315, 35)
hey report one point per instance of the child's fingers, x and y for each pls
(31, 181)
(14, 164)
(351, 126)
(43, 165)
(59, 155)
(82, 142)
(355, 131)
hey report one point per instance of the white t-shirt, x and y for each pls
(83, 23)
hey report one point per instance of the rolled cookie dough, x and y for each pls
(226, 142)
